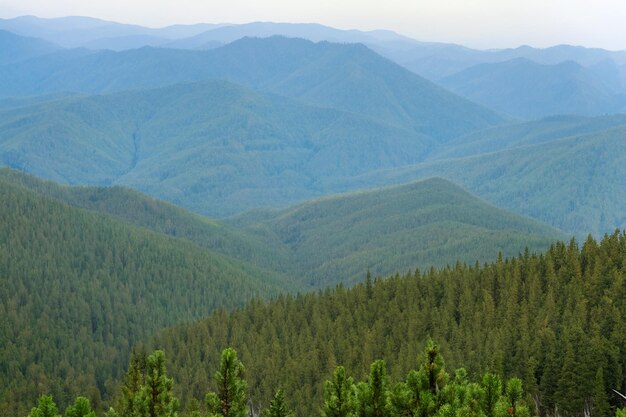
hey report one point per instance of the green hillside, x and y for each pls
(516, 135)
(427, 223)
(159, 216)
(575, 184)
(215, 147)
(555, 320)
(333, 239)
(80, 288)
(526, 89)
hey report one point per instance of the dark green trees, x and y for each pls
(46, 407)
(231, 398)
(155, 397)
(147, 390)
(278, 407)
(80, 408)
(339, 395)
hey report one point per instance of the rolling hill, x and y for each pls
(573, 183)
(78, 31)
(329, 240)
(345, 77)
(80, 288)
(14, 48)
(428, 223)
(525, 89)
(554, 320)
(214, 147)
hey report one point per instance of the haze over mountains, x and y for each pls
(285, 158)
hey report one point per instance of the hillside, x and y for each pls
(525, 89)
(521, 134)
(78, 31)
(80, 288)
(333, 239)
(574, 183)
(345, 77)
(237, 149)
(427, 223)
(159, 216)
(555, 320)
(14, 48)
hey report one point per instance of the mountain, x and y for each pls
(346, 77)
(521, 134)
(14, 48)
(214, 147)
(393, 229)
(80, 288)
(330, 240)
(549, 319)
(76, 31)
(563, 182)
(161, 217)
(436, 61)
(309, 31)
(525, 89)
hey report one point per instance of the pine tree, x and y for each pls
(46, 407)
(277, 407)
(601, 407)
(373, 395)
(339, 395)
(80, 408)
(492, 387)
(134, 380)
(155, 398)
(231, 399)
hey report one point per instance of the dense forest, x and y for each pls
(555, 320)
(78, 289)
(147, 391)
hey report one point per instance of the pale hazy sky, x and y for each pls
(476, 23)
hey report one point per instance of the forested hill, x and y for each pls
(556, 320)
(78, 289)
(333, 239)
(425, 223)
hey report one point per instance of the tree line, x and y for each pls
(148, 391)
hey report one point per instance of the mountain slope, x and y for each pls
(427, 223)
(516, 135)
(77, 31)
(547, 319)
(80, 288)
(346, 77)
(147, 212)
(525, 89)
(575, 183)
(14, 48)
(214, 147)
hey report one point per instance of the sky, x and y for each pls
(476, 23)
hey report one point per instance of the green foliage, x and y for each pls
(372, 397)
(231, 396)
(277, 407)
(562, 181)
(422, 224)
(492, 387)
(46, 407)
(339, 395)
(80, 408)
(523, 317)
(155, 399)
(80, 288)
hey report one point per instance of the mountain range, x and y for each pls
(133, 264)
